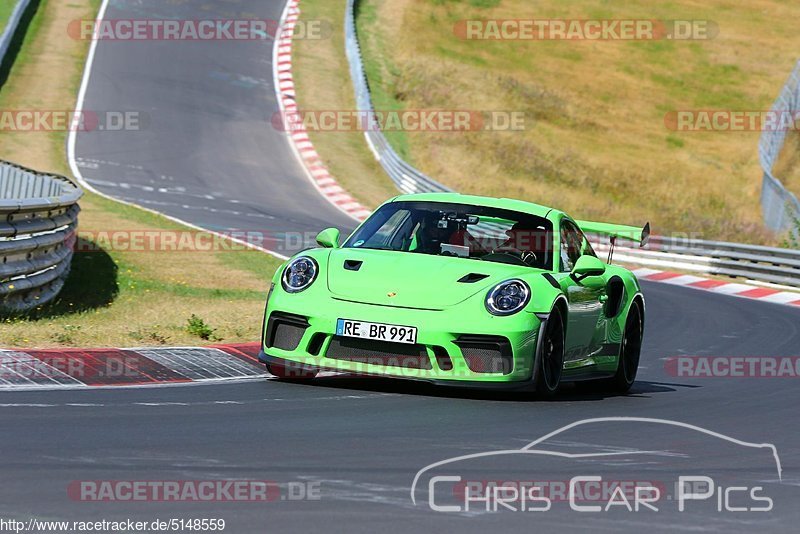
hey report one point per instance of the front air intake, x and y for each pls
(379, 353)
(285, 330)
(486, 354)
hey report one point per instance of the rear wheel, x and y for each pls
(629, 353)
(289, 371)
(550, 361)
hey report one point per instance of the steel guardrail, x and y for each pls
(780, 207)
(11, 27)
(38, 221)
(762, 264)
(406, 178)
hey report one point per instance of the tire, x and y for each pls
(550, 356)
(629, 352)
(290, 372)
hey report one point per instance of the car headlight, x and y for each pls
(507, 298)
(299, 274)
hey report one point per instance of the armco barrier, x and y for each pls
(406, 178)
(780, 208)
(11, 27)
(762, 264)
(38, 219)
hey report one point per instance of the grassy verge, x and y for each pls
(787, 168)
(380, 69)
(6, 7)
(323, 83)
(119, 297)
(595, 142)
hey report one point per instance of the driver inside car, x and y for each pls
(434, 231)
(431, 233)
(526, 243)
(463, 238)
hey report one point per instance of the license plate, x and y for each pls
(379, 331)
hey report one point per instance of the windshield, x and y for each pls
(460, 230)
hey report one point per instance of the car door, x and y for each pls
(585, 298)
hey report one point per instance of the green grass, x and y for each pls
(6, 8)
(196, 326)
(792, 239)
(16, 93)
(595, 142)
(382, 75)
(122, 297)
(118, 297)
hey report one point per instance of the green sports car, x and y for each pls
(460, 290)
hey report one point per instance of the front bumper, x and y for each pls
(516, 385)
(451, 343)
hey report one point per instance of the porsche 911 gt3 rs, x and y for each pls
(461, 290)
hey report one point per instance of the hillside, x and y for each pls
(595, 142)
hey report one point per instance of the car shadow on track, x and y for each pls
(568, 393)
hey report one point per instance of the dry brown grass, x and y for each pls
(201, 269)
(115, 297)
(595, 142)
(44, 77)
(136, 298)
(787, 168)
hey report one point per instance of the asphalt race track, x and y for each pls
(204, 149)
(360, 443)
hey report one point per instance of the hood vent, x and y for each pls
(352, 265)
(471, 278)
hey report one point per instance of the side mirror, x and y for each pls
(328, 238)
(587, 266)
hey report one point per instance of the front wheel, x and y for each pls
(550, 361)
(290, 372)
(629, 352)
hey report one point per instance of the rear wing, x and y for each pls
(617, 231)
